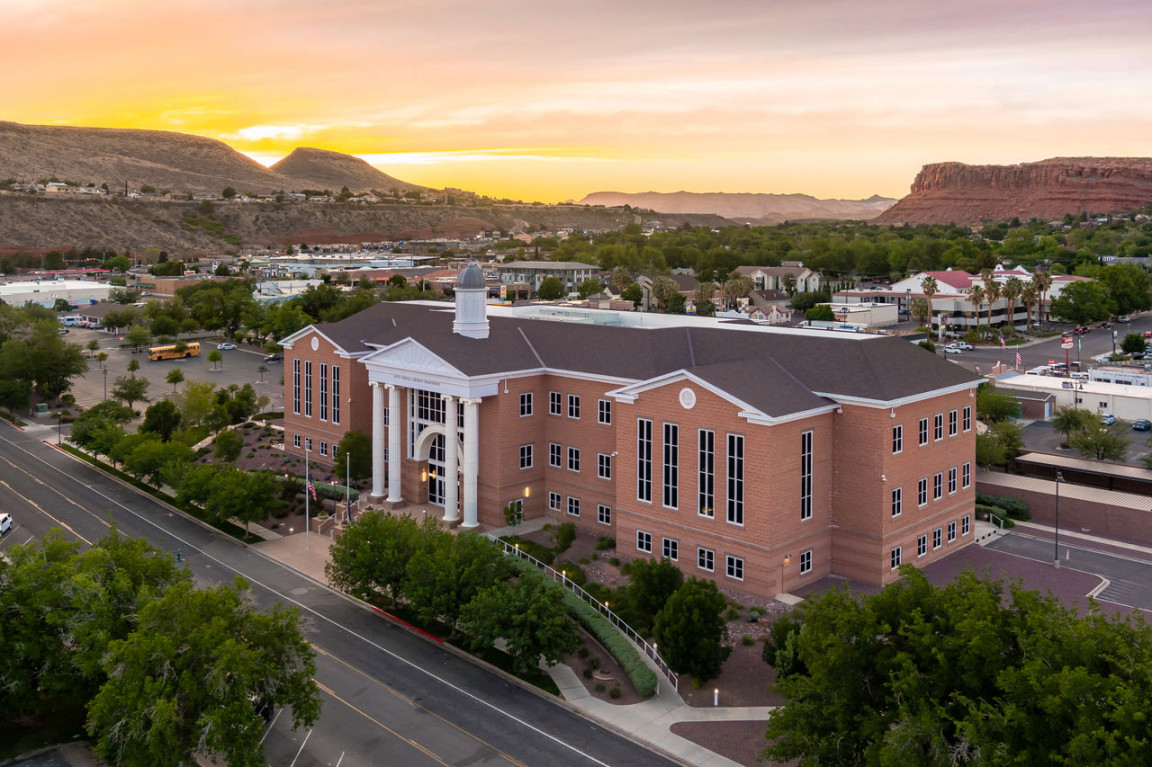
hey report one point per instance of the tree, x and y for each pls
(1100, 443)
(1083, 302)
(930, 287)
(262, 370)
(1000, 444)
(589, 287)
(1042, 282)
(1133, 343)
(976, 296)
(1028, 296)
(228, 446)
(43, 359)
(214, 357)
(449, 571)
(97, 418)
(355, 446)
(1070, 420)
(93, 347)
(1129, 286)
(133, 366)
(162, 418)
(621, 278)
(971, 672)
(528, 615)
(918, 308)
(740, 286)
(130, 389)
(175, 377)
(550, 289)
(137, 336)
(992, 291)
(161, 708)
(633, 293)
(820, 313)
(371, 557)
(690, 630)
(1012, 290)
(650, 585)
(228, 193)
(995, 405)
(145, 455)
(663, 289)
(236, 494)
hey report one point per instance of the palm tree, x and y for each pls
(918, 308)
(1028, 296)
(1012, 289)
(976, 297)
(991, 291)
(1042, 281)
(929, 287)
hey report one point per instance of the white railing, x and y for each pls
(602, 607)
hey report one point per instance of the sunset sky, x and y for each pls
(543, 100)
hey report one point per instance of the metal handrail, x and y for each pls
(602, 607)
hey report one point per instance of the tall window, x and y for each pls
(604, 411)
(553, 403)
(671, 465)
(897, 553)
(736, 479)
(573, 506)
(323, 391)
(308, 389)
(922, 492)
(643, 459)
(335, 394)
(603, 466)
(966, 524)
(706, 472)
(968, 418)
(525, 456)
(604, 514)
(671, 549)
(897, 501)
(952, 480)
(573, 406)
(525, 404)
(922, 545)
(953, 426)
(806, 475)
(938, 426)
(573, 459)
(554, 501)
(554, 453)
(897, 438)
(937, 486)
(967, 474)
(951, 531)
(296, 387)
(806, 562)
(706, 559)
(643, 541)
(936, 538)
(923, 431)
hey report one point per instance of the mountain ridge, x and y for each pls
(761, 208)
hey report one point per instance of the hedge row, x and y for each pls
(987, 511)
(1013, 507)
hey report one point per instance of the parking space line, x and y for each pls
(341, 759)
(382, 726)
(278, 713)
(306, 737)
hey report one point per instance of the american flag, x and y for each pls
(1002, 344)
(312, 489)
(1019, 362)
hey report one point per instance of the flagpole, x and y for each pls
(347, 488)
(307, 492)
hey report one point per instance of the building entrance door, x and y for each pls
(436, 471)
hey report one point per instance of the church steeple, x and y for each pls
(471, 303)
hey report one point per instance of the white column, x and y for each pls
(395, 450)
(451, 461)
(377, 440)
(471, 460)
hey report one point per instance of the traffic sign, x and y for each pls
(1066, 343)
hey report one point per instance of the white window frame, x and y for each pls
(966, 475)
(604, 466)
(953, 423)
(671, 465)
(951, 532)
(923, 433)
(706, 472)
(734, 461)
(937, 485)
(922, 545)
(573, 506)
(644, 460)
(525, 456)
(703, 556)
(896, 556)
(967, 418)
(898, 439)
(603, 514)
(965, 525)
(922, 492)
(806, 562)
(574, 406)
(951, 480)
(554, 403)
(525, 404)
(897, 501)
(938, 427)
(734, 567)
(806, 470)
(555, 455)
(604, 412)
(670, 545)
(574, 459)
(644, 541)
(554, 499)
(937, 538)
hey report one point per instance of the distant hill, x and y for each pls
(175, 161)
(322, 169)
(953, 192)
(763, 209)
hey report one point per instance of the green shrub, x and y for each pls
(1013, 507)
(731, 614)
(600, 687)
(984, 512)
(574, 572)
(538, 550)
(626, 654)
(614, 561)
(747, 641)
(603, 543)
(565, 537)
(614, 693)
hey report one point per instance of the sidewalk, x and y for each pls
(649, 721)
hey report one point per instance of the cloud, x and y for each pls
(279, 132)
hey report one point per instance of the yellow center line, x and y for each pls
(416, 705)
(383, 726)
(36, 506)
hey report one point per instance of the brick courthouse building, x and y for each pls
(764, 458)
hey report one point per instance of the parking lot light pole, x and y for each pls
(1056, 544)
(105, 371)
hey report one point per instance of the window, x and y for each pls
(706, 559)
(296, 387)
(671, 549)
(898, 438)
(671, 465)
(806, 475)
(952, 424)
(967, 474)
(554, 501)
(922, 491)
(573, 406)
(643, 459)
(896, 555)
(951, 531)
(922, 545)
(323, 448)
(323, 391)
(553, 403)
(706, 472)
(806, 562)
(897, 501)
(734, 567)
(965, 524)
(295, 440)
(573, 459)
(952, 480)
(336, 449)
(308, 389)
(968, 418)
(937, 486)
(554, 455)
(526, 404)
(604, 411)
(736, 479)
(643, 541)
(936, 537)
(938, 429)
(573, 506)
(308, 444)
(923, 431)
(336, 394)
(603, 466)
(525, 456)
(604, 514)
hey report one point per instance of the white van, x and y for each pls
(5, 523)
(72, 320)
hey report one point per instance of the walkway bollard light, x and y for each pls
(716, 697)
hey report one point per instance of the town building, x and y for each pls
(764, 458)
(571, 274)
(791, 278)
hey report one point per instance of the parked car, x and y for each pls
(953, 349)
(1107, 419)
(5, 523)
(62, 331)
(274, 358)
(1142, 424)
(1124, 319)
(964, 346)
(225, 347)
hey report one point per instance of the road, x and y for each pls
(389, 697)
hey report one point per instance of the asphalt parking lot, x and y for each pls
(238, 366)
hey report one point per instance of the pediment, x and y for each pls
(408, 356)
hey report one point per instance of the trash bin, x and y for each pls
(42, 407)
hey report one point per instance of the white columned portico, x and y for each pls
(471, 466)
(451, 461)
(377, 440)
(395, 450)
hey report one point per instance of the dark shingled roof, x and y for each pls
(776, 372)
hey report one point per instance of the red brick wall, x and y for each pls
(356, 414)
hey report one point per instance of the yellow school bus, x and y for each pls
(191, 349)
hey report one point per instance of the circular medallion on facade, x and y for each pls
(315, 343)
(687, 398)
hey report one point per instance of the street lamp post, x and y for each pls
(1056, 544)
(59, 419)
(307, 493)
